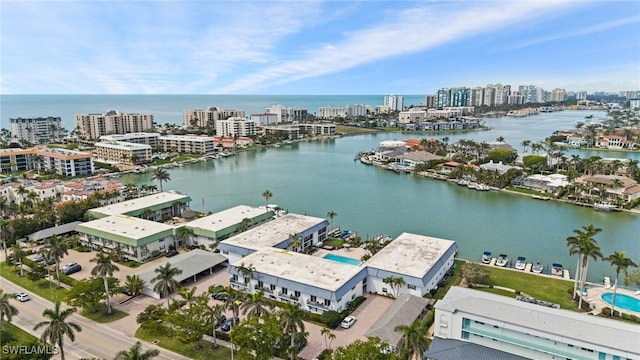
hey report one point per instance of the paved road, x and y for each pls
(94, 341)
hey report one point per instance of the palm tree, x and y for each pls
(213, 314)
(104, 268)
(188, 294)
(135, 353)
(57, 327)
(162, 176)
(134, 284)
(621, 262)
(295, 240)
(234, 298)
(6, 231)
(396, 282)
(291, 317)
(328, 337)
(56, 249)
(267, 194)
(331, 214)
(414, 339)
(244, 224)
(246, 271)
(17, 256)
(165, 283)
(256, 305)
(182, 233)
(6, 309)
(585, 246)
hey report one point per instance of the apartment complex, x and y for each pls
(208, 118)
(145, 138)
(394, 102)
(296, 131)
(92, 126)
(186, 144)
(493, 95)
(264, 119)
(531, 330)
(235, 126)
(38, 130)
(59, 161)
(123, 152)
(156, 207)
(287, 114)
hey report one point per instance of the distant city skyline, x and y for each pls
(315, 47)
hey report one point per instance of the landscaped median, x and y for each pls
(41, 288)
(173, 343)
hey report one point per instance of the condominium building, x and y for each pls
(395, 102)
(123, 152)
(430, 101)
(412, 116)
(156, 207)
(318, 129)
(39, 130)
(332, 112)
(558, 95)
(477, 96)
(92, 126)
(59, 161)
(264, 119)
(190, 144)
(531, 330)
(208, 118)
(356, 110)
(235, 126)
(287, 114)
(145, 138)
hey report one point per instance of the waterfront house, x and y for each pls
(544, 183)
(499, 167)
(412, 158)
(156, 207)
(531, 330)
(614, 186)
(449, 166)
(615, 142)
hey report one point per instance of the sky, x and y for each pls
(315, 47)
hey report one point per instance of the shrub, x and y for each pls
(429, 318)
(353, 304)
(433, 292)
(325, 354)
(332, 319)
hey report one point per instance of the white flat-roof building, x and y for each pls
(235, 126)
(37, 130)
(123, 152)
(155, 207)
(92, 126)
(531, 330)
(138, 238)
(186, 144)
(146, 138)
(421, 261)
(275, 234)
(313, 283)
(211, 229)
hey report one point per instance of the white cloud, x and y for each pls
(410, 31)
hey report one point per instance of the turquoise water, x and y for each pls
(623, 301)
(342, 259)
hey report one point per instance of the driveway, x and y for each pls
(366, 314)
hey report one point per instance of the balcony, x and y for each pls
(317, 304)
(268, 291)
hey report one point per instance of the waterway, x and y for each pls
(316, 177)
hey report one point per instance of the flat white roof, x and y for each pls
(186, 138)
(410, 254)
(141, 203)
(126, 226)
(273, 232)
(122, 145)
(129, 136)
(226, 218)
(301, 268)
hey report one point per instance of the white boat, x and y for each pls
(486, 257)
(537, 267)
(482, 187)
(557, 270)
(604, 206)
(502, 260)
(521, 263)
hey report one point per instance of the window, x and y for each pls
(260, 284)
(327, 302)
(411, 287)
(284, 291)
(296, 293)
(384, 290)
(313, 298)
(162, 247)
(272, 287)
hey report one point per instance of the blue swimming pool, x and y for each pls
(623, 301)
(342, 259)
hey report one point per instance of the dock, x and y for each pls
(493, 261)
(565, 274)
(527, 268)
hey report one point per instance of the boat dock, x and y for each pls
(566, 275)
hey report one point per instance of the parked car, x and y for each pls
(71, 268)
(171, 253)
(228, 324)
(42, 257)
(22, 297)
(223, 319)
(348, 322)
(222, 296)
(126, 291)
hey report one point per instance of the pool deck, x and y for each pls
(595, 292)
(353, 253)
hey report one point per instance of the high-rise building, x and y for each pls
(629, 94)
(430, 101)
(287, 114)
(459, 97)
(92, 126)
(477, 96)
(443, 98)
(207, 118)
(39, 130)
(558, 95)
(395, 102)
(581, 95)
(235, 127)
(489, 96)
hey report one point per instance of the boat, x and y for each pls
(482, 187)
(502, 260)
(589, 117)
(604, 206)
(486, 257)
(366, 160)
(537, 267)
(557, 269)
(539, 197)
(521, 263)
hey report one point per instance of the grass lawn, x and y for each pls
(18, 335)
(206, 353)
(336, 243)
(498, 292)
(528, 191)
(540, 287)
(41, 288)
(130, 263)
(350, 130)
(101, 315)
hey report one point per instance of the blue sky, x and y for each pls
(315, 47)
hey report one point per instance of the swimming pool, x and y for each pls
(344, 259)
(623, 301)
